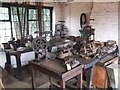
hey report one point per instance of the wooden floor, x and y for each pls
(41, 80)
(9, 81)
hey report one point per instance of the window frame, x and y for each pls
(8, 5)
(28, 20)
(51, 15)
(9, 20)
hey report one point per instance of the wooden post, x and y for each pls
(25, 19)
(20, 26)
(39, 5)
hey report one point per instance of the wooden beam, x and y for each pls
(9, 9)
(20, 26)
(39, 5)
(25, 19)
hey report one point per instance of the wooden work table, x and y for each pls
(57, 70)
(90, 63)
(17, 54)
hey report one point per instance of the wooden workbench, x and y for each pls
(89, 65)
(18, 70)
(56, 69)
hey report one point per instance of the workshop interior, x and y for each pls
(59, 44)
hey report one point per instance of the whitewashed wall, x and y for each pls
(72, 12)
(105, 15)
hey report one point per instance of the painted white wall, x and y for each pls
(72, 12)
(105, 15)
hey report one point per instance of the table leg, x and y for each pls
(62, 85)
(50, 86)
(80, 80)
(19, 68)
(8, 58)
(89, 78)
(33, 78)
(8, 62)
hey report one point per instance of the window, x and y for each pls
(5, 27)
(33, 21)
(4, 13)
(18, 21)
(47, 21)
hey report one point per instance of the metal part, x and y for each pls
(71, 62)
(65, 52)
(39, 45)
(86, 33)
(86, 47)
(86, 50)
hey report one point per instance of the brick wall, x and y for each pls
(105, 15)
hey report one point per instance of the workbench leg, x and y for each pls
(33, 78)
(50, 86)
(62, 85)
(89, 78)
(19, 67)
(8, 58)
(80, 80)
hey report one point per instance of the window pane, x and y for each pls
(46, 20)
(7, 25)
(33, 26)
(1, 25)
(33, 14)
(4, 13)
(33, 23)
(14, 10)
(5, 32)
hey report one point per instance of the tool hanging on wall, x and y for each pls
(83, 20)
